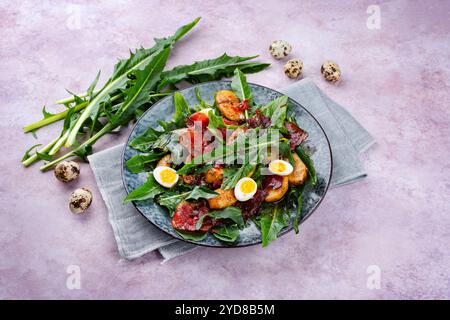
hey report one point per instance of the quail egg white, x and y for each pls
(165, 176)
(245, 189)
(280, 167)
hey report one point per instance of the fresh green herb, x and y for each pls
(193, 236)
(271, 222)
(131, 90)
(232, 175)
(213, 69)
(202, 103)
(187, 168)
(171, 199)
(304, 156)
(146, 140)
(233, 213)
(216, 121)
(150, 189)
(136, 95)
(241, 87)
(201, 192)
(278, 117)
(181, 109)
(43, 156)
(27, 154)
(285, 151)
(28, 161)
(269, 109)
(46, 114)
(227, 233)
(139, 162)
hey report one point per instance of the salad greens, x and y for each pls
(209, 197)
(135, 84)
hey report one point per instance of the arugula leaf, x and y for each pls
(169, 142)
(227, 233)
(269, 109)
(90, 90)
(46, 114)
(285, 151)
(308, 163)
(83, 151)
(233, 213)
(27, 152)
(278, 117)
(150, 189)
(201, 102)
(240, 86)
(216, 121)
(139, 162)
(138, 94)
(167, 126)
(271, 222)
(146, 140)
(180, 33)
(232, 176)
(251, 67)
(187, 168)
(43, 156)
(201, 192)
(181, 109)
(123, 66)
(193, 236)
(211, 69)
(171, 199)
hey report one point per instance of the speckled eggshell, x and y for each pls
(280, 49)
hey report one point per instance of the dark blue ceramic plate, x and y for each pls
(317, 144)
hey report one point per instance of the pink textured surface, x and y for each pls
(395, 82)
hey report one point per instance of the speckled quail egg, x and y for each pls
(331, 71)
(80, 200)
(279, 49)
(280, 167)
(67, 171)
(293, 68)
(165, 176)
(245, 189)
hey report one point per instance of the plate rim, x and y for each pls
(285, 231)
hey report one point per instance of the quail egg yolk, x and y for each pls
(168, 176)
(248, 186)
(278, 167)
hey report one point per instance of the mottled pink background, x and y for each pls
(395, 82)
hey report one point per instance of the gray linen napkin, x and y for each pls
(347, 137)
(135, 235)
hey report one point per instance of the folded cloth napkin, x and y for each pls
(135, 235)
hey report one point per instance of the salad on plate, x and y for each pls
(217, 167)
